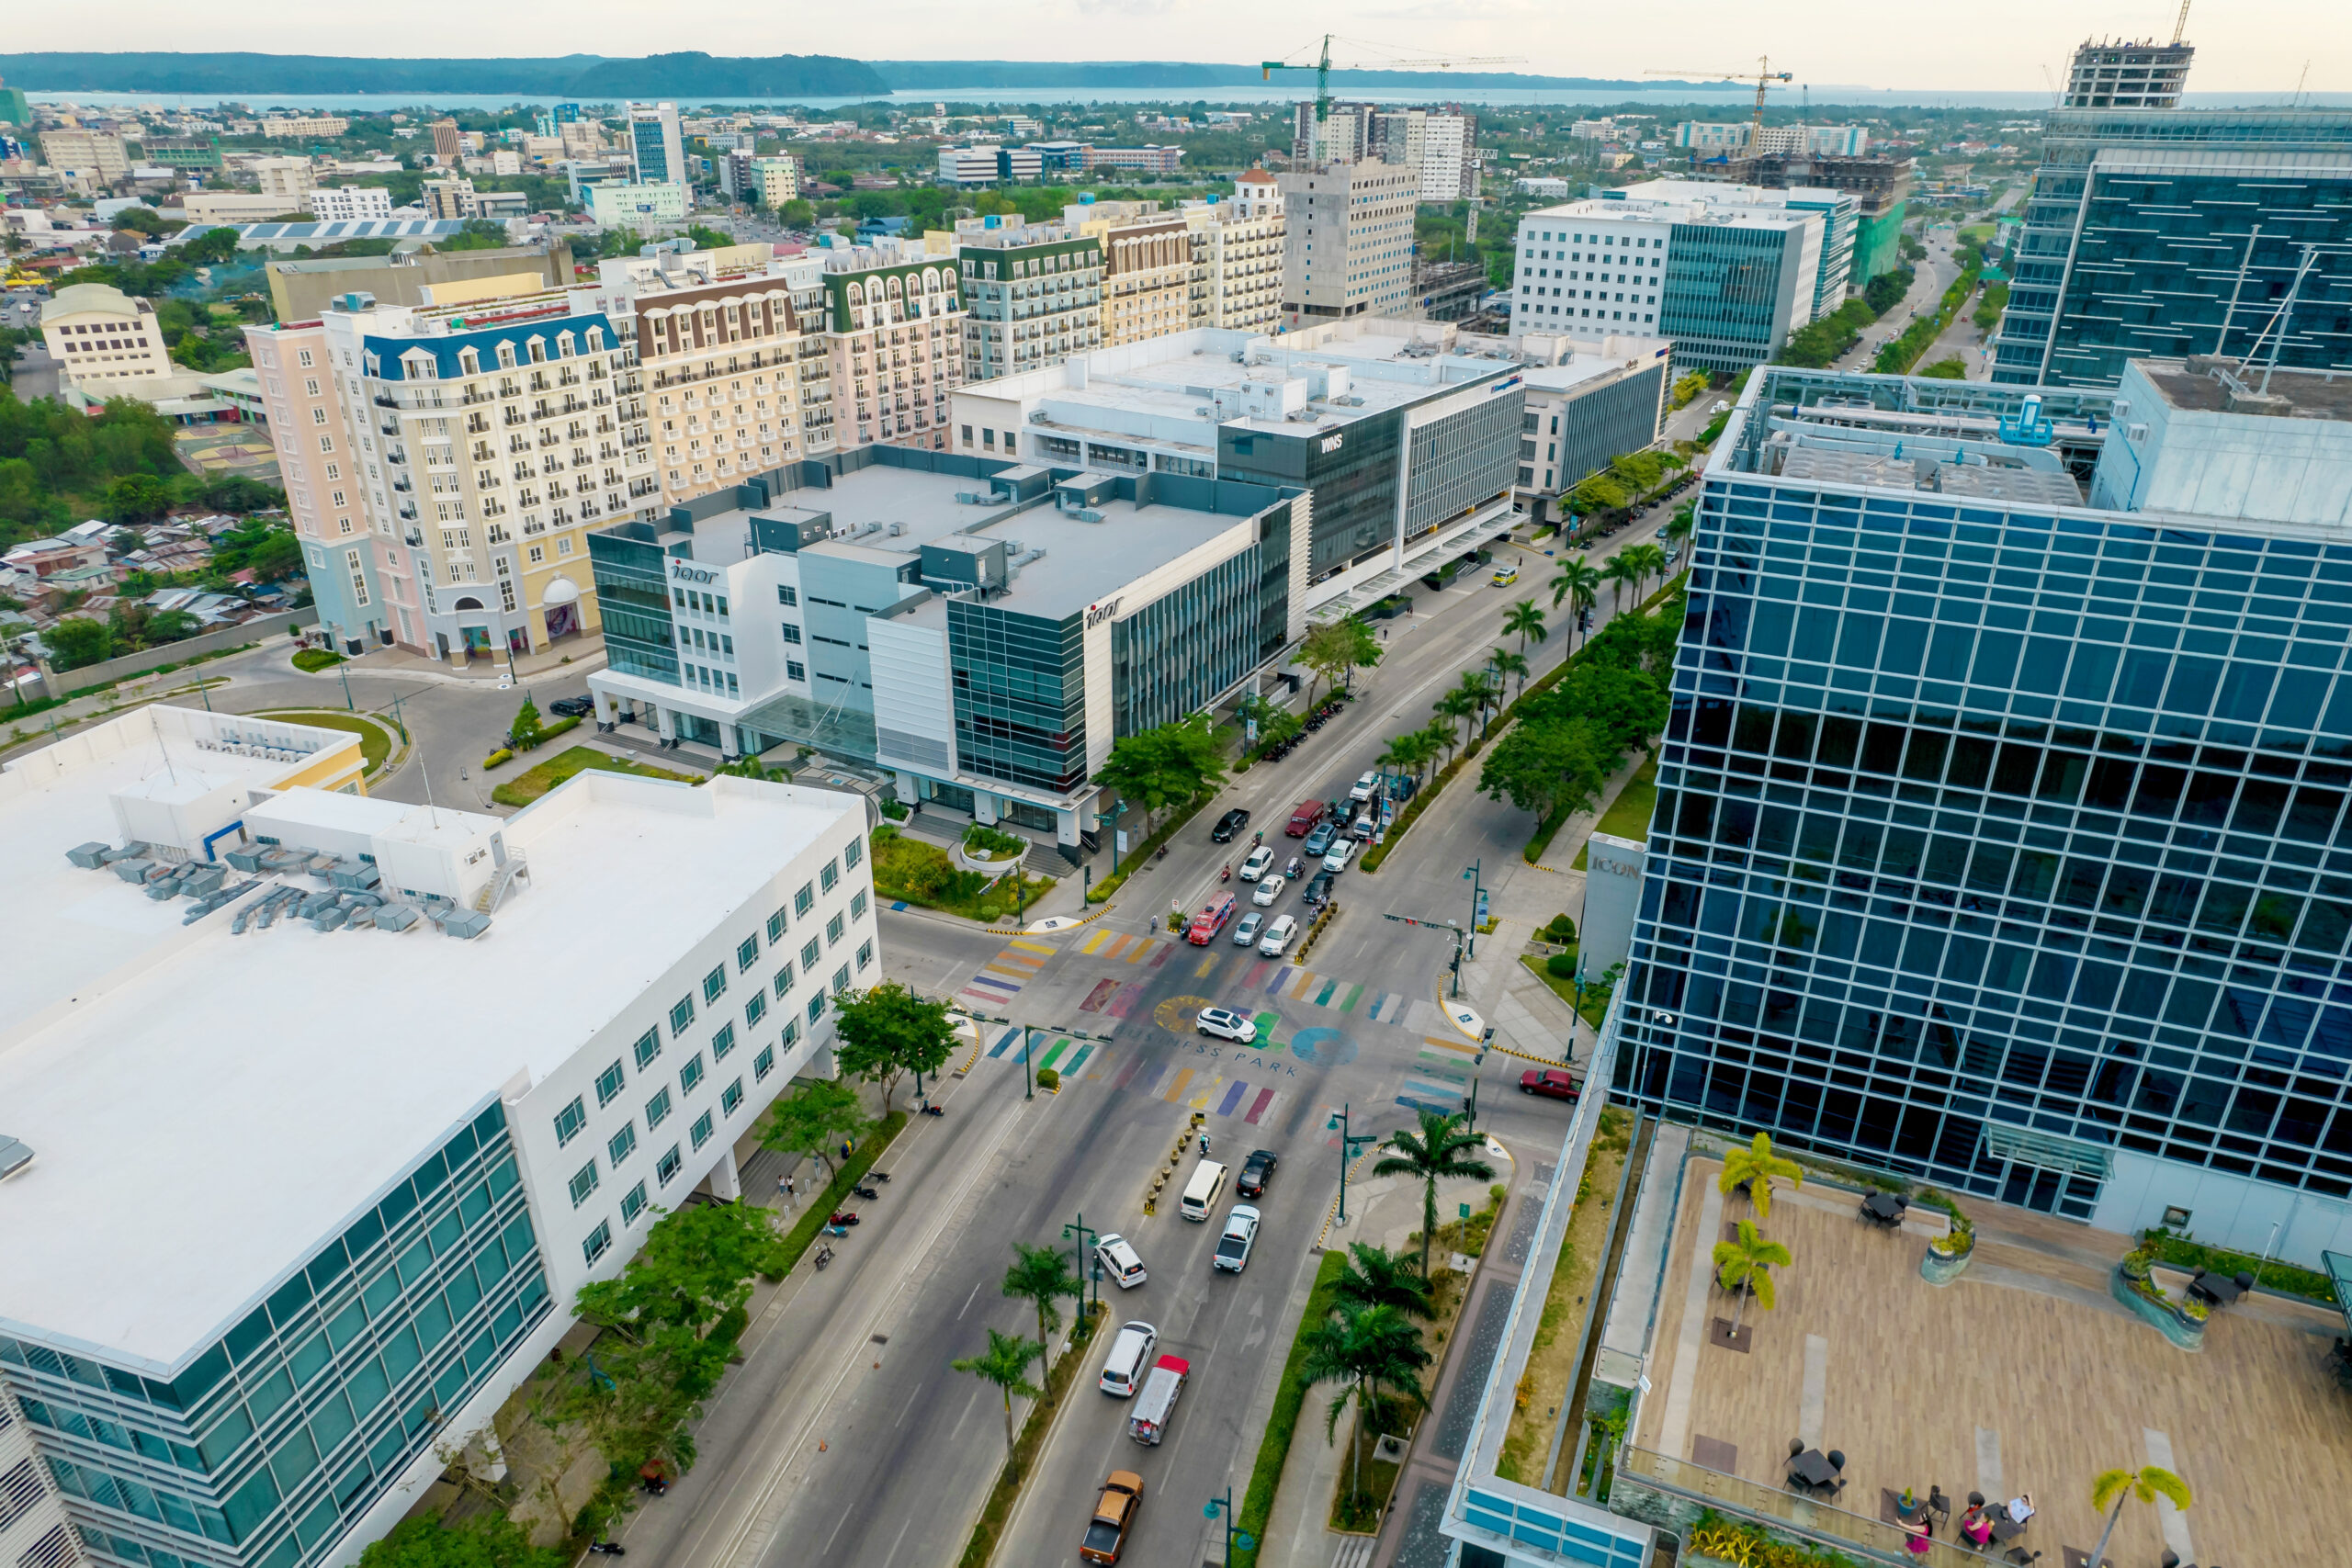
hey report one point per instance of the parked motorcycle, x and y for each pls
(837, 1230)
(867, 1192)
(877, 1175)
(844, 1217)
(824, 1255)
(940, 1110)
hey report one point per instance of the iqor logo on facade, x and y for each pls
(681, 572)
(1098, 613)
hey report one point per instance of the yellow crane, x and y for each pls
(1321, 65)
(1763, 76)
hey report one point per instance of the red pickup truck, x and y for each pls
(1302, 818)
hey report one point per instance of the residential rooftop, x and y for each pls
(204, 1106)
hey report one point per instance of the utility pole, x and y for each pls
(1348, 1145)
(1477, 899)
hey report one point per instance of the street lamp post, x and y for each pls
(1347, 1152)
(1085, 1237)
(1476, 1062)
(1028, 1079)
(1223, 1505)
(1116, 812)
(1477, 891)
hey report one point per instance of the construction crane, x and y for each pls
(1322, 67)
(2181, 25)
(1763, 76)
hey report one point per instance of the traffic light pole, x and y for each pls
(1447, 926)
(1028, 1031)
(1085, 1237)
(1348, 1146)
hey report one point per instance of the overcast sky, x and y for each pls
(2243, 46)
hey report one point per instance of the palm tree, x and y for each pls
(1576, 579)
(1362, 1347)
(1485, 692)
(1649, 561)
(1404, 752)
(1746, 1265)
(1685, 519)
(2118, 1486)
(1007, 1360)
(1041, 1275)
(1504, 662)
(1754, 1168)
(1372, 1276)
(1435, 1153)
(1451, 709)
(1527, 621)
(1620, 572)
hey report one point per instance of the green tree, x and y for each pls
(1164, 766)
(1620, 572)
(77, 642)
(1649, 560)
(815, 1116)
(1755, 1167)
(1373, 1276)
(1336, 648)
(1409, 752)
(1547, 769)
(696, 1267)
(1451, 709)
(527, 731)
(1005, 1365)
(887, 1031)
(1678, 526)
(1745, 1266)
(480, 1540)
(1363, 1348)
(1438, 1151)
(1952, 369)
(1578, 581)
(1041, 1276)
(136, 498)
(796, 214)
(1524, 620)
(2113, 1488)
(1508, 666)
(1689, 387)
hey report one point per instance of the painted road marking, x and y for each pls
(1098, 996)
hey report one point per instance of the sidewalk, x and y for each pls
(574, 656)
(1386, 1210)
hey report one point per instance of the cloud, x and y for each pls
(1127, 7)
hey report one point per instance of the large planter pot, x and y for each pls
(997, 867)
(1943, 1269)
(2165, 1319)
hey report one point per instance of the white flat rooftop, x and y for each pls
(206, 1121)
(921, 503)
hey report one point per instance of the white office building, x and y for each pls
(309, 1166)
(656, 145)
(1841, 215)
(1726, 282)
(350, 204)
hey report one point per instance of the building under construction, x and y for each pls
(2118, 74)
(1881, 186)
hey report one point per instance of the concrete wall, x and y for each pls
(1612, 895)
(262, 628)
(2235, 1212)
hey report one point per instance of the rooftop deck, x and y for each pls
(2022, 1376)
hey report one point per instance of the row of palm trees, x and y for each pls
(1477, 697)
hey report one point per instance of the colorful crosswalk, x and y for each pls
(1197, 1088)
(1001, 978)
(1104, 943)
(1438, 1077)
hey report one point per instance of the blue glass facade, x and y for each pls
(266, 1444)
(1725, 298)
(1991, 842)
(2141, 223)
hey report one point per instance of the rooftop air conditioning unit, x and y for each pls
(1039, 416)
(896, 529)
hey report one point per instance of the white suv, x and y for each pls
(1365, 787)
(1278, 936)
(1225, 1024)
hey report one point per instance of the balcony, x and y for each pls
(402, 485)
(395, 455)
(385, 401)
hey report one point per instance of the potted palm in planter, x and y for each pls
(1948, 1254)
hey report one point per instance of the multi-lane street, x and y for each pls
(846, 1437)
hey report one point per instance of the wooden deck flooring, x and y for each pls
(2023, 1376)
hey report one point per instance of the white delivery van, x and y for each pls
(1200, 1193)
(1155, 1407)
(1123, 1368)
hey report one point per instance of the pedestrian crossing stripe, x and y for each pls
(1123, 946)
(1213, 1093)
(1001, 978)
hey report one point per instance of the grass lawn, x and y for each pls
(376, 738)
(528, 785)
(1628, 816)
(1596, 997)
(921, 872)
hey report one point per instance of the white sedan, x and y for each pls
(1341, 851)
(1278, 936)
(1268, 890)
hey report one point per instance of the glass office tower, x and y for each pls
(2002, 842)
(2175, 232)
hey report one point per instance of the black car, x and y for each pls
(1318, 890)
(1232, 822)
(1254, 1172)
(572, 707)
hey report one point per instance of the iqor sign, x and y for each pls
(1098, 613)
(681, 572)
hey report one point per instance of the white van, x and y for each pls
(1130, 1353)
(1200, 1193)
